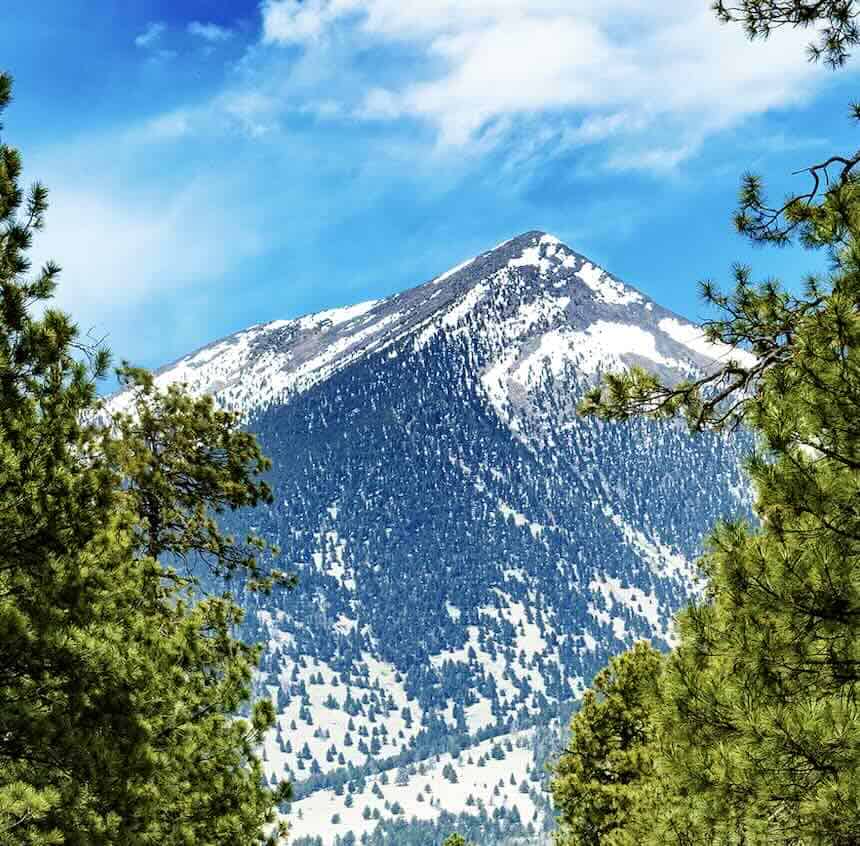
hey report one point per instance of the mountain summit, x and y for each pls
(470, 551)
(532, 302)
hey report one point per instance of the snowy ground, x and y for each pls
(425, 791)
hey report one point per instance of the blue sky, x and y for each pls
(214, 164)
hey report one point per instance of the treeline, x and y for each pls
(500, 828)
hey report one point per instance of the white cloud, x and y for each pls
(615, 69)
(652, 159)
(151, 35)
(251, 112)
(122, 255)
(210, 32)
(168, 126)
(287, 23)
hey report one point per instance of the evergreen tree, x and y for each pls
(118, 684)
(183, 462)
(759, 722)
(755, 725)
(599, 780)
(835, 20)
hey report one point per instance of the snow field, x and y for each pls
(330, 726)
(313, 815)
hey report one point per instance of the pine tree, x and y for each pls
(118, 682)
(600, 779)
(756, 731)
(835, 20)
(759, 723)
(183, 463)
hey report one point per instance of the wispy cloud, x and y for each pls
(353, 139)
(151, 36)
(126, 250)
(615, 70)
(211, 32)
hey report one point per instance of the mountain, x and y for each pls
(470, 551)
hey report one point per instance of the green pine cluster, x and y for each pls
(748, 732)
(598, 782)
(119, 676)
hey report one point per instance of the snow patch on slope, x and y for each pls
(449, 273)
(538, 255)
(520, 519)
(602, 345)
(480, 777)
(634, 599)
(332, 317)
(693, 337)
(494, 382)
(555, 349)
(607, 289)
(469, 301)
(663, 560)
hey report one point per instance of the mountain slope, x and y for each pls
(470, 551)
(529, 289)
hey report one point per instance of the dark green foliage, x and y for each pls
(826, 214)
(759, 711)
(835, 21)
(184, 463)
(757, 736)
(117, 684)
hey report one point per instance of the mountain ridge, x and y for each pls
(267, 362)
(470, 551)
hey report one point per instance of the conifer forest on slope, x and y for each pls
(485, 501)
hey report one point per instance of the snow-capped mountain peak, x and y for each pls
(529, 304)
